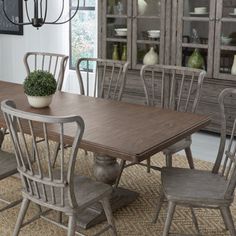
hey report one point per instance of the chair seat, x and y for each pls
(87, 192)
(181, 184)
(181, 145)
(8, 165)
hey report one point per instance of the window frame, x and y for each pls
(71, 9)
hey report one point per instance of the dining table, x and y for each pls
(113, 131)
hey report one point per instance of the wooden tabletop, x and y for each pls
(122, 130)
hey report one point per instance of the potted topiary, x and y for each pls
(39, 88)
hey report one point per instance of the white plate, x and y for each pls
(232, 14)
(198, 14)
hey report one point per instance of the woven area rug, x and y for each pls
(134, 219)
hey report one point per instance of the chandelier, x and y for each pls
(39, 16)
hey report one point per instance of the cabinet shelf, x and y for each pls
(194, 45)
(148, 17)
(116, 40)
(148, 42)
(191, 18)
(228, 19)
(228, 48)
(116, 16)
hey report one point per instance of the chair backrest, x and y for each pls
(40, 181)
(50, 62)
(177, 88)
(102, 78)
(225, 163)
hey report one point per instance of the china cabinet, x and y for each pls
(175, 21)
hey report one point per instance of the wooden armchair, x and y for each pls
(56, 189)
(204, 189)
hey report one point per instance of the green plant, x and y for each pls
(40, 83)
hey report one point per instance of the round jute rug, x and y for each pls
(133, 220)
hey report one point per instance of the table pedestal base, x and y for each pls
(93, 215)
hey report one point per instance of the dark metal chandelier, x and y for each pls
(40, 13)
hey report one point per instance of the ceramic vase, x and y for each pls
(151, 58)
(124, 53)
(233, 69)
(115, 54)
(142, 5)
(196, 60)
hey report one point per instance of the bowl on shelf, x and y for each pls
(226, 40)
(154, 33)
(121, 31)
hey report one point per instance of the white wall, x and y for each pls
(49, 38)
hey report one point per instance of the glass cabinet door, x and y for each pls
(195, 34)
(225, 40)
(148, 32)
(116, 29)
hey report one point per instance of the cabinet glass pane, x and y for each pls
(226, 61)
(116, 28)
(228, 34)
(196, 8)
(115, 50)
(202, 30)
(149, 8)
(229, 8)
(143, 49)
(148, 29)
(117, 7)
(196, 58)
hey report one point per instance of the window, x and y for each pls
(83, 31)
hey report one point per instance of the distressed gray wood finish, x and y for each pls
(204, 189)
(185, 92)
(51, 62)
(107, 80)
(8, 167)
(58, 189)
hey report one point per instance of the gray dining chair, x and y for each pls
(185, 90)
(8, 167)
(58, 189)
(102, 78)
(200, 188)
(50, 62)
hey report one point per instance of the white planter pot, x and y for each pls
(39, 101)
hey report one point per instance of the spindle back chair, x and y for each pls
(206, 189)
(50, 62)
(56, 189)
(103, 78)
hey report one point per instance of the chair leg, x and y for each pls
(168, 160)
(71, 225)
(170, 214)
(108, 212)
(228, 220)
(159, 205)
(57, 148)
(21, 216)
(226, 227)
(189, 157)
(149, 165)
(195, 220)
(122, 166)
